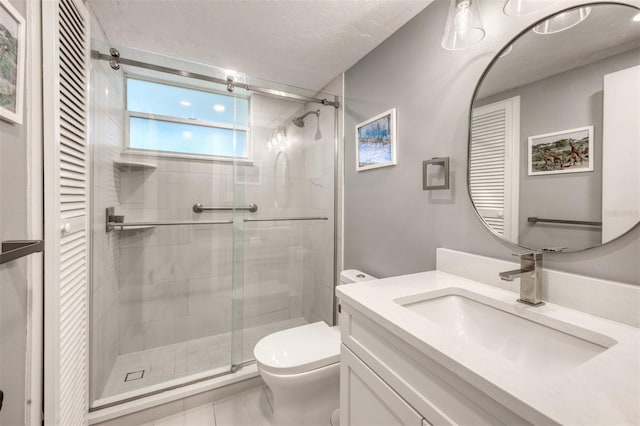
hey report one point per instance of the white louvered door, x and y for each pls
(66, 86)
(494, 165)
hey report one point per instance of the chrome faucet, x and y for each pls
(530, 274)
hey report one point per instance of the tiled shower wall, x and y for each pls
(274, 251)
(175, 281)
(106, 143)
(318, 180)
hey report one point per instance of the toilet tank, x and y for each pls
(354, 276)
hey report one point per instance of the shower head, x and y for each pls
(299, 121)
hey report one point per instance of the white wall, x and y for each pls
(392, 227)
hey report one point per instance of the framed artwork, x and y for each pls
(12, 57)
(376, 141)
(568, 151)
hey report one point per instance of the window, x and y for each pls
(169, 118)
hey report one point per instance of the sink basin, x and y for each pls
(538, 347)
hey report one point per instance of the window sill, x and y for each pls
(129, 154)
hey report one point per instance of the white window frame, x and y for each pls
(127, 150)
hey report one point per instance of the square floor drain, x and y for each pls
(134, 375)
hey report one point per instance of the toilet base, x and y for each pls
(305, 399)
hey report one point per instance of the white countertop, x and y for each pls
(604, 390)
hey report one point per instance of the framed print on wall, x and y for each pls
(376, 141)
(12, 57)
(568, 151)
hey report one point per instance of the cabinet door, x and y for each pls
(366, 400)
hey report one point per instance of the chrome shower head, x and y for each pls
(299, 121)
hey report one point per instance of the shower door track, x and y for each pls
(115, 61)
(232, 369)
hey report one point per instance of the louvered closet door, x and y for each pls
(66, 84)
(493, 165)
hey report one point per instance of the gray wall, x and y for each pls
(393, 227)
(564, 101)
(14, 275)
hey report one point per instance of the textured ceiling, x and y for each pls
(607, 31)
(304, 43)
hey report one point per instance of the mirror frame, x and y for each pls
(473, 98)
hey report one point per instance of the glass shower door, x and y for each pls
(213, 220)
(164, 150)
(284, 251)
(242, 208)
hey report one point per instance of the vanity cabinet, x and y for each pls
(366, 400)
(384, 380)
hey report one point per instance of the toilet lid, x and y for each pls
(299, 349)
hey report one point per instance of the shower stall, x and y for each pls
(213, 219)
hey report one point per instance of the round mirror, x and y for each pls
(554, 145)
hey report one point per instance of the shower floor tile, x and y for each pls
(184, 359)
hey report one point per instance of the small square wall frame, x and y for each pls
(442, 162)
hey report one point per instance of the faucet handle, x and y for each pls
(526, 253)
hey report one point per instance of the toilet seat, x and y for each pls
(298, 350)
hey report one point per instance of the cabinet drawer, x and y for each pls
(366, 400)
(439, 395)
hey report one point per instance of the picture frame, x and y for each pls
(566, 151)
(376, 141)
(12, 63)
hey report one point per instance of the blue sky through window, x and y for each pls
(163, 99)
(149, 133)
(159, 135)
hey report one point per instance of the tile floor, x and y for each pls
(184, 359)
(249, 408)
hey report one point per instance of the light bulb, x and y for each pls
(563, 21)
(463, 16)
(524, 7)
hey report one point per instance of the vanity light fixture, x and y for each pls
(524, 7)
(464, 25)
(563, 21)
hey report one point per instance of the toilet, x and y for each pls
(301, 367)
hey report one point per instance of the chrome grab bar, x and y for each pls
(570, 222)
(278, 219)
(15, 249)
(199, 208)
(116, 222)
